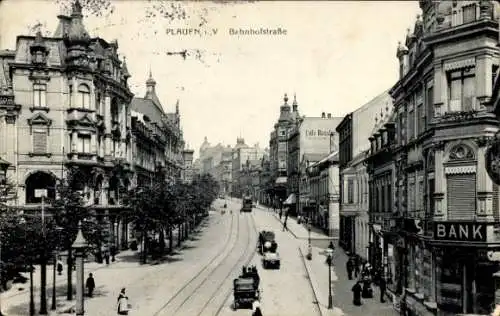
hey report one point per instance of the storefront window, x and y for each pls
(449, 284)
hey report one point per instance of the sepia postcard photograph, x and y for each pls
(226, 158)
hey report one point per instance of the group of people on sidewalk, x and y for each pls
(365, 275)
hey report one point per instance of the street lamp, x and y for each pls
(309, 247)
(79, 247)
(4, 165)
(329, 254)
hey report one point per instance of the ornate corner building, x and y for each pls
(434, 213)
(65, 103)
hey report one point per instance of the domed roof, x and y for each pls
(77, 33)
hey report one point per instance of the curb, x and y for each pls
(288, 229)
(317, 292)
(312, 284)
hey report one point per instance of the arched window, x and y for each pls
(37, 181)
(461, 183)
(83, 99)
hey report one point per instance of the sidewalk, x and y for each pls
(15, 301)
(341, 287)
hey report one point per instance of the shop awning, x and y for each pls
(291, 199)
(281, 180)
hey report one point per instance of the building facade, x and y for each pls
(353, 143)
(243, 153)
(278, 152)
(188, 171)
(446, 203)
(65, 103)
(323, 187)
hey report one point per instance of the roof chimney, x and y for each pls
(322, 114)
(329, 115)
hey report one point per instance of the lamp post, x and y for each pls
(309, 247)
(79, 247)
(329, 253)
(4, 165)
(115, 241)
(53, 306)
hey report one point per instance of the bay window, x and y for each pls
(461, 86)
(84, 143)
(83, 96)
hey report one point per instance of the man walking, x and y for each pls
(349, 267)
(382, 286)
(90, 285)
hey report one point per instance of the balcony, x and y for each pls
(82, 158)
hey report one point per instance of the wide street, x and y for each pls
(197, 278)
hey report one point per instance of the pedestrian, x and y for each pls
(59, 266)
(106, 256)
(90, 284)
(383, 286)
(284, 224)
(356, 293)
(356, 266)
(349, 267)
(331, 246)
(256, 311)
(122, 303)
(367, 289)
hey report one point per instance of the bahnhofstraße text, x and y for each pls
(246, 31)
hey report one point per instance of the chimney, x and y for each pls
(329, 115)
(322, 114)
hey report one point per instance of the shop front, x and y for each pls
(464, 267)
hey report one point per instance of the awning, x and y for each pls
(291, 199)
(281, 180)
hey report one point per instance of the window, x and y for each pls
(84, 143)
(401, 124)
(98, 103)
(494, 73)
(39, 95)
(430, 103)
(469, 13)
(350, 191)
(39, 141)
(411, 124)
(461, 85)
(83, 96)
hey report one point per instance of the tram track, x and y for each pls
(203, 294)
(185, 292)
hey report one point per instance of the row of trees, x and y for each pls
(156, 209)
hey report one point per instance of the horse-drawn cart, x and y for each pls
(267, 242)
(246, 287)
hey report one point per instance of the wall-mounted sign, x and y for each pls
(493, 161)
(460, 231)
(319, 132)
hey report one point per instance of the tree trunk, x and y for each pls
(43, 284)
(170, 238)
(144, 247)
(179, 235)
(162, 241)
(69, 288)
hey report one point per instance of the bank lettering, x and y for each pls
(460, 231)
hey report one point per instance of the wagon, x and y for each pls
(246, 288)
(267, 242)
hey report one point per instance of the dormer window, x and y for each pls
(384, 138)
(39, 57)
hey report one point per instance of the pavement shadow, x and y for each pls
(187, 247)
(134, 257)
(170, 259)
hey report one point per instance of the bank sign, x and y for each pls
(460, 231)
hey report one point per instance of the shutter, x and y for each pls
(39, 141)
(461, 196)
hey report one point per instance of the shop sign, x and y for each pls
(460, 231)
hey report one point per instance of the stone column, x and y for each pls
(11, 129)
(484, 186)
(74, 92)
(484, 84)
(440, 205)
(74, 140)
(439, 89)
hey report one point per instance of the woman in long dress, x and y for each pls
(122, 302)
(356, 293)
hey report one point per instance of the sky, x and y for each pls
(335, 56)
